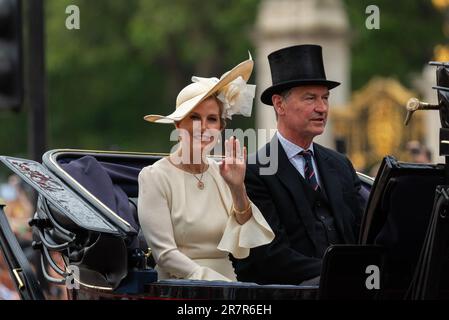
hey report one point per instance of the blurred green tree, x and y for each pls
(409, 31)
(131, 58)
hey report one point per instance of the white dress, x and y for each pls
(191, 231)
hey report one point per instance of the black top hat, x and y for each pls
(296, 66)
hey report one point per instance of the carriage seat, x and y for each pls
(90, 173)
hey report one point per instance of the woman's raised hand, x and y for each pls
(233, 166)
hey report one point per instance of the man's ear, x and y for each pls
(278, 103)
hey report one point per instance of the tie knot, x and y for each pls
(306, 154)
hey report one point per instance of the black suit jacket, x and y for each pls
(290, 257)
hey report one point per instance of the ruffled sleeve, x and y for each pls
(239, 239)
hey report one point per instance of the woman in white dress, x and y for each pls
(193, 211)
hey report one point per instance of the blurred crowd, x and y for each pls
(19, 206)
(18, 209)
(418, 152)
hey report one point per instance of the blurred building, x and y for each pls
(283, 23)
(372, 124)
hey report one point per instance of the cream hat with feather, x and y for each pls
(202, 88)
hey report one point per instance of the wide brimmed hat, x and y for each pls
(202, 88)
(296, 66)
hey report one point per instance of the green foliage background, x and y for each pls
(131, 57)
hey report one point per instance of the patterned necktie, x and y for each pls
(309, 173)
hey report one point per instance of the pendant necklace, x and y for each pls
(200, 183)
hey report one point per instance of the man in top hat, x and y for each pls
(312, 200)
